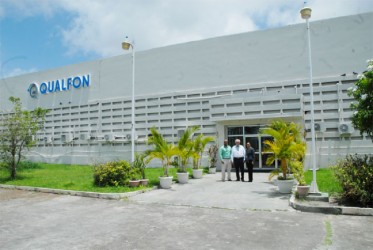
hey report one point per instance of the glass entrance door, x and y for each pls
(251, 134)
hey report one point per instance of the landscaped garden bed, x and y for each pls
(70, 177)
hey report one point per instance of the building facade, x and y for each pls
(229, 86)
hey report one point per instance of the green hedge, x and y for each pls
(113, 173)
(355, 175)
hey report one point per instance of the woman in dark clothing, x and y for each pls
(250, 157)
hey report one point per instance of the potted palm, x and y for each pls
(134, 174)
(185, 152)
(199, 144)
(139, 163)
(298, 171)
(163, 151)
(212, 152)
(287, 145)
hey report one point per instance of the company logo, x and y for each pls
(59, 85)
(33, 90)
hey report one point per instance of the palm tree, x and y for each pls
(199, 144)
(287, 145)
(185, 147)
(162, 150)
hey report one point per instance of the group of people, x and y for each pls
(238, 156)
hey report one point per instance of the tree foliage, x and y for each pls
(362, 118)
(287, 144)
(162, 150)
(185, 147)
(199, 144)
(18, 129)
(355, 174)
(212, 152)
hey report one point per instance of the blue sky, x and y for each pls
(38, 35)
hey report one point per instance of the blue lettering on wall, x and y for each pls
(50, 87)
(43, 88)
(57, 87)
(60, 85)
(68, 83)
(86, 81)
(77, 82)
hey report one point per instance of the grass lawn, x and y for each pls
(70, 177)
(325, 180)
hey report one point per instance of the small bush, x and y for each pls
(28, 165)
(355, 175)
(115, 173)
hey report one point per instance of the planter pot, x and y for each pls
(292, 177)
(197, 173)
(285, 186)
(182, 177)
(303, 190)
(165, 182)
(212, 170)
(144, 182)
(134, 183)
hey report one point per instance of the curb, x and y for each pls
(108, 196)
(338, 210)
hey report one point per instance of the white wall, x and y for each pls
(238, 65)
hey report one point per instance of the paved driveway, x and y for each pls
(210, 191)
(31, 220)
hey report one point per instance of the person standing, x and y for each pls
(250, 157)
(238, 158)
(225, 153)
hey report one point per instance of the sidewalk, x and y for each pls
(210, 191)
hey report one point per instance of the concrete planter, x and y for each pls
(285, 186)
(197, 173)
(134, 183)
(144, 182)
(212, 170)
(303, 190)
(165, 182)
(182, 177)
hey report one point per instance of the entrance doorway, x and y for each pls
(251, 134)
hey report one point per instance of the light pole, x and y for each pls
(306, 14)
(126, 46)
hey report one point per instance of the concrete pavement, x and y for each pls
(235, 216)
(210, 191)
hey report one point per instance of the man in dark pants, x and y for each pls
(250, 157)
(238, 158)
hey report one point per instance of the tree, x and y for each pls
(200, 143)
(287, 144)
(162, 150)
(362, 118)
(185, 147)
(18, 129)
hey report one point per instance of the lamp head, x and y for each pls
(126, 44)
(306, 13)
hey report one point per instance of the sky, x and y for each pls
(37, 35)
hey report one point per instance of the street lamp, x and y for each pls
(306, 14)
(126, 46)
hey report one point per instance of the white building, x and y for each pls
(229, 86)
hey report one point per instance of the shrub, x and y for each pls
(28, 165)
(355, 175)
(115, 173)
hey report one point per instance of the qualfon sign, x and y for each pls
(59, 85)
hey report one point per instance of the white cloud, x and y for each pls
(100, 26)
(16, 72)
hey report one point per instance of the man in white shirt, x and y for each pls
(238, 158)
